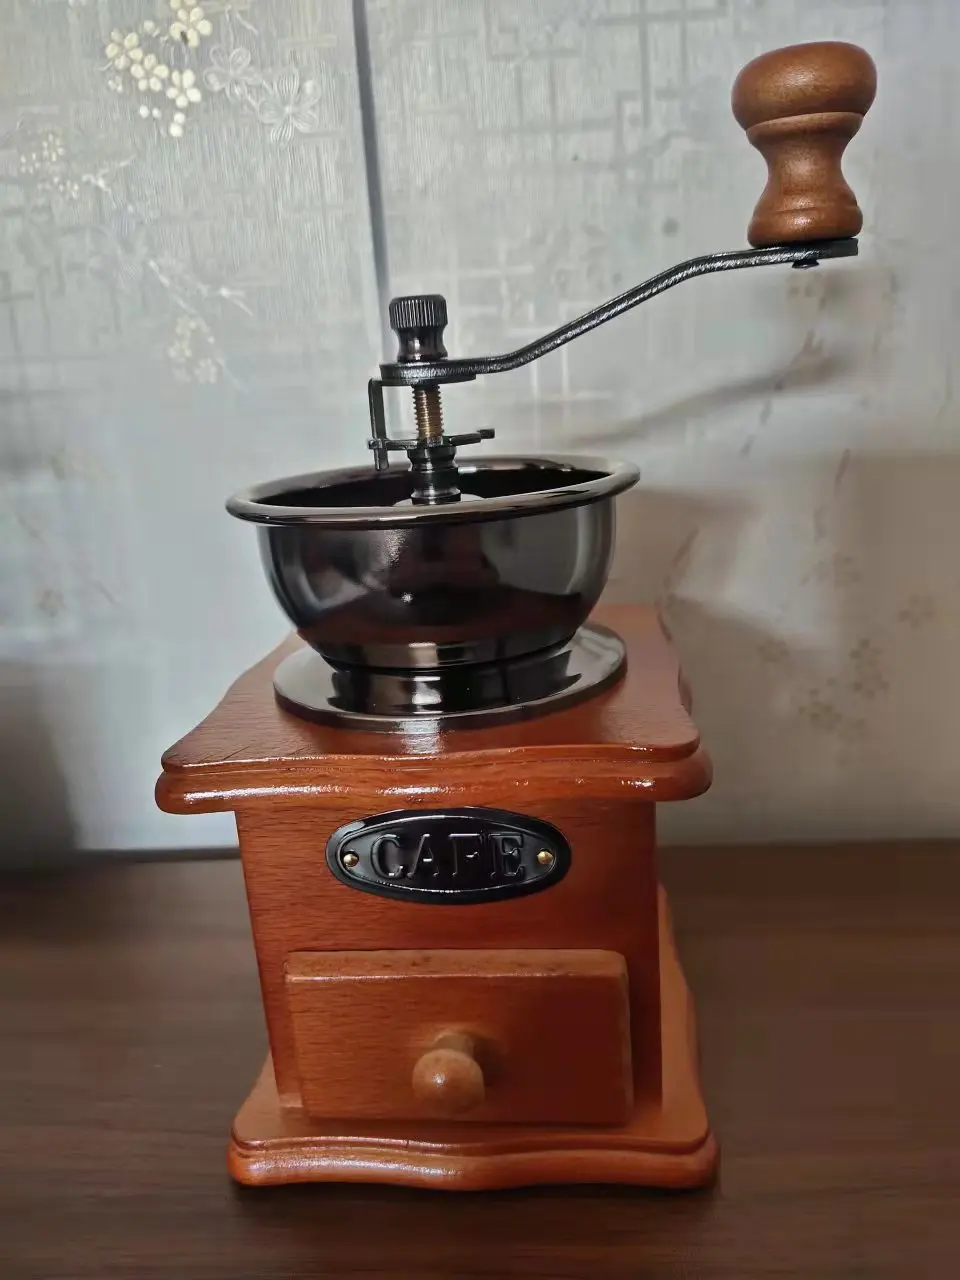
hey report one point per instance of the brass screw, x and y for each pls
(428, 410)
(350, 859)
(544, 857)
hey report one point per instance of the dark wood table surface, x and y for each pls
(828, 985)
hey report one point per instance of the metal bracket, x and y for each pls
(380, 441)
(408, 443)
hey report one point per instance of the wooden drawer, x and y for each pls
(535, 1037)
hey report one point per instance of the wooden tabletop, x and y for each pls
(828, 984)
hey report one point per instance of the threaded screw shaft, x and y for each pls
(428, 410)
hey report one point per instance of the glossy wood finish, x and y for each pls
(800, 107)
(593, 771)
(447, 1079)
(529, 1036)
(826, 983)
(665, 1142)
(635, 738)
(607, 901)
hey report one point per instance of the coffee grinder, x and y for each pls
(445, 783)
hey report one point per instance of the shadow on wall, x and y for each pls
(806, 372)
(820, 631)
(671, 543)
(35, 826)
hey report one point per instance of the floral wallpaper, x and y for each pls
(141, 60)
(171, 73)
(201, 207)
(187, 304)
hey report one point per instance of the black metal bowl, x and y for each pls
(370, 580)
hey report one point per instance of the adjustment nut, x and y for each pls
(419, 320)
(418, 311)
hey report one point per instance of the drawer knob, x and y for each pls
(447, 1078)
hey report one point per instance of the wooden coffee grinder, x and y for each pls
(445, 786)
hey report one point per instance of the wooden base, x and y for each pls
(669, 1145)
(609, 1094)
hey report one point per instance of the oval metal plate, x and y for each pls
(454, 856)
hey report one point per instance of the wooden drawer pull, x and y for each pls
(447, 1078)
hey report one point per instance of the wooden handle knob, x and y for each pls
(800, 107)
(448, 1079)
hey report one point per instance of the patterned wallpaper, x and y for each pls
(188, 302)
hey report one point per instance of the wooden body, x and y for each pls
(547, 1037)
